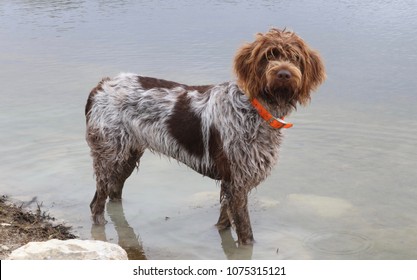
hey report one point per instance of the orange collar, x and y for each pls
(274, 122)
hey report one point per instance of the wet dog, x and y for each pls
(230, 132)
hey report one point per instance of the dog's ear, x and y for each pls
(249, 67)
(314, 74)
(317, 71)
(243, 68)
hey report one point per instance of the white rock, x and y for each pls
(73, 249)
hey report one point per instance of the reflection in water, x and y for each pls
(129, 241)
(232, 249)
(127, 238)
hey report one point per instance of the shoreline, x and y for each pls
(18, 226)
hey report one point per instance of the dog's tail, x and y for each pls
(90, 99)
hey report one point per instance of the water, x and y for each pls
(345, 186)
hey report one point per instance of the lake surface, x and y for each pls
(346, 183)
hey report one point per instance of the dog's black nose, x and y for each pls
(284, 75)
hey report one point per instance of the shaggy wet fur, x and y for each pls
(213, 129)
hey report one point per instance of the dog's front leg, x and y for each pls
(235, 206)
(224, 221)
(240, 214)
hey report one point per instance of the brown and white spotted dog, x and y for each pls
(226, 131)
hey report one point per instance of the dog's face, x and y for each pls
(279, 67)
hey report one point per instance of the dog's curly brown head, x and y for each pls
(279, 67)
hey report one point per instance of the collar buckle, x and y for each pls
(268, 117)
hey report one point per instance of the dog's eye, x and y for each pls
(269, 56)
(273, 54)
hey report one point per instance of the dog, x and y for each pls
(230, 132)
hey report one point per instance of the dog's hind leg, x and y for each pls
(114, 159)
(110, 178)
(102, 172)
(121, 171)
(98, 203)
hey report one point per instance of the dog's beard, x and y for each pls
(280, 96)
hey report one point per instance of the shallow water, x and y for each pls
(345, 186)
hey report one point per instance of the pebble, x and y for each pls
(4, 248)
